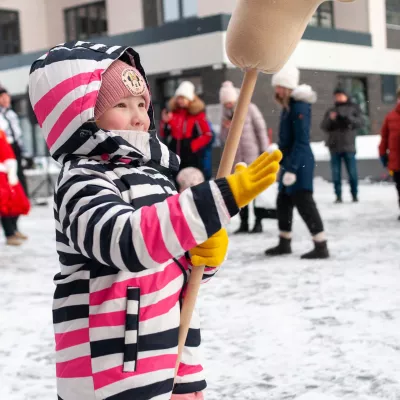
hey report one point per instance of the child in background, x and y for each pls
(123, 233)
(13, 200)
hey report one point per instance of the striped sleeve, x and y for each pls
(103, 227)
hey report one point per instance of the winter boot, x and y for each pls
(21, 236)
(320, 251)
(355, 198)
(284, 247)
(13, 241)
(257, 228)
(243, 228)
(338, 200)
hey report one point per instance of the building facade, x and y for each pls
(355, 45)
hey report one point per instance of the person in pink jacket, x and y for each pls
(253, 142)
(126, 240)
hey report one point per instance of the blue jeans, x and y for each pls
(350, 162)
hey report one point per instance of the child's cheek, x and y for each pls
(117, 120)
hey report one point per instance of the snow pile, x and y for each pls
(366, 146)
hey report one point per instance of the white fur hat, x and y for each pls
(186, 89)
(288, 77)
(228, 93)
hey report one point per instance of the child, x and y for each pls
(13, 201)
(123, 233)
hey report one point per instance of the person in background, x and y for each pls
(185, 129)
(341, 123)
(389, 148)
(297, 165)
(9, 123)
(13, 200)
(253, 142)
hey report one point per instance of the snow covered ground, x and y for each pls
(272, 328)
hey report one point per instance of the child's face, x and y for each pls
(129, 114)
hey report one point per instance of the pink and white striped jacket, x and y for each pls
(122, 235)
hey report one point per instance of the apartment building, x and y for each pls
(355, 45)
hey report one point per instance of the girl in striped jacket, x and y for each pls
(123, 233)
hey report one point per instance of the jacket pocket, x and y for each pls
(131, 329)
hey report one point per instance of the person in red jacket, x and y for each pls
(185, 129)
(389, 148)
(13, 201)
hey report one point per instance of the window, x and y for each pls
(393, 12)
(173, 10)
(323, 17)
(357, 88)
(9, 32)
(390, 83)
(86, 21)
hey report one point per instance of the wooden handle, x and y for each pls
(239, 117)
(225, 168)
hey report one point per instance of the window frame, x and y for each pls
(15, 41)
(319, 18)
(180, 11)
(78, 32)
(388, 12)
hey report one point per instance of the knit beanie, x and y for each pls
(118, 81)
(186, 89)
(288, 77)
(340, 90)
(228, 93)
(3, 90)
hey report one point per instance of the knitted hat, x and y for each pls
(118, 81)
(189, 177)
(339, 90)
(3, 90)
(228, 93)
(186, 89)
(288, 77)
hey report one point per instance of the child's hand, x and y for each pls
(212, 252)
(248, 182)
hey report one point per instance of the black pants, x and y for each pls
(305, 204)
(10, 223)
(396, 178)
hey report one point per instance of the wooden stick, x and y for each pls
(225, 168)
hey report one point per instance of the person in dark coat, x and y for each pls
(389, 147)
(341, 123)
(297, 165)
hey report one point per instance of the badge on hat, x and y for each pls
(133, 81)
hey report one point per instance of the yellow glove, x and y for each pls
(212, 252)
(247, 183)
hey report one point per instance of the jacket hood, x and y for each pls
(195, 107)
(304, 93)
(63, 87)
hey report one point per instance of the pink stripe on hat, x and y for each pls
(118, 81)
